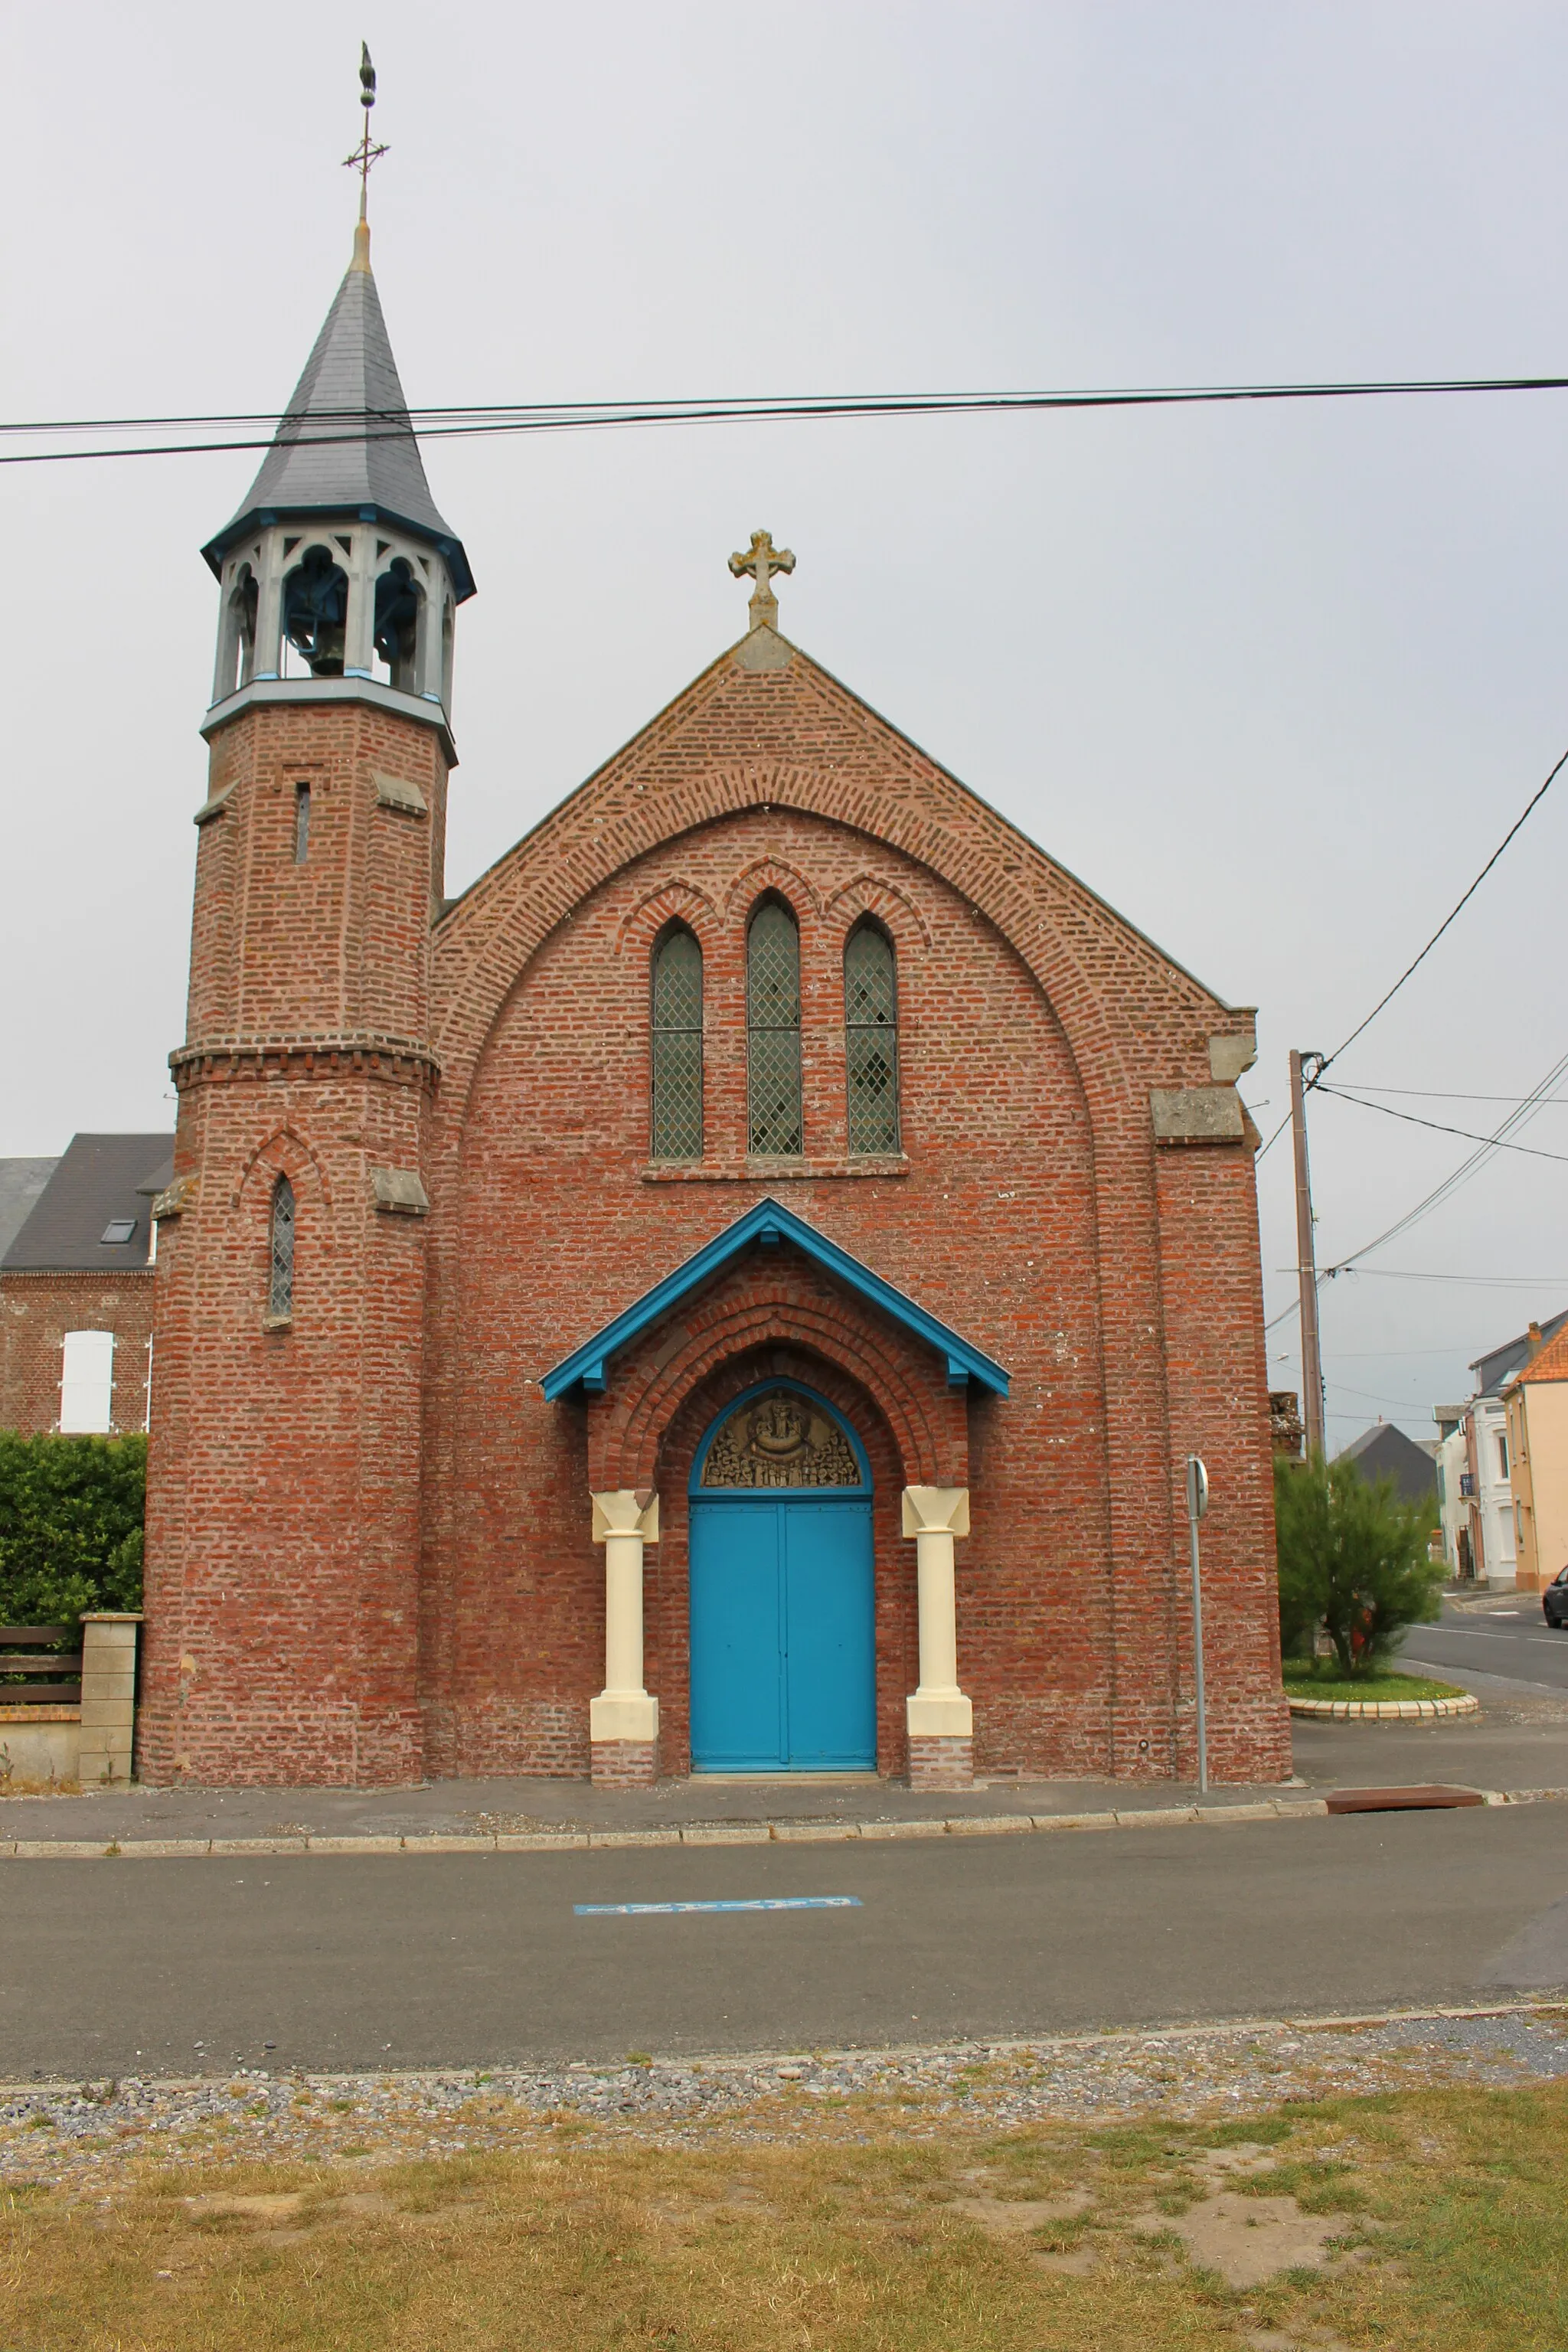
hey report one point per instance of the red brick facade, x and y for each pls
(370, 1551)
(37, 1310)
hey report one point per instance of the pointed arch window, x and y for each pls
(677, 1048)
(871, 1039)
(772, 1033)
(280, 1284)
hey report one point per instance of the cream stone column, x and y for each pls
(941, 1720)
(108, 1696)
(623, 1721)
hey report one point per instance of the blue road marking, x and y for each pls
(755, 1902)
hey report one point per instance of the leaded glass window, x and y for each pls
(678, 1048)
(872, 1041)
(280, 1288)
(772, 1033)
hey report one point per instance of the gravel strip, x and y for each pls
(79, 2137)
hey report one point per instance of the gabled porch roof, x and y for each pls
(586, 1371)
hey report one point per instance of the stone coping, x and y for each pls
(1383, 1710)
(708, 1834)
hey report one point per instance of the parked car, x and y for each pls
(1555, 1600)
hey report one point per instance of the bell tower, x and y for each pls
(284, 1479)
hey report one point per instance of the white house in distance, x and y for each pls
(1474, 1485)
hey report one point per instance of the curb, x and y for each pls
(752, 2062)
(236, 1849)
(1383, 1710)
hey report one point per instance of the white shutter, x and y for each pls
(87, 1382)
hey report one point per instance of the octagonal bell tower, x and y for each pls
(284, 1480)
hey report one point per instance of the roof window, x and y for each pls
(117, 1229)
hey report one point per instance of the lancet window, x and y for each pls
(280, 1283)
(676, 1119)
(871, 1040)
(316, 611)
(772, 1033)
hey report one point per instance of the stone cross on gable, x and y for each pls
(762, 562)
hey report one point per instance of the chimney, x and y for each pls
(1534, 1343)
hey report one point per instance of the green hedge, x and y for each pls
(70, 1526)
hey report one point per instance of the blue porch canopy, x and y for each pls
(586, 1370)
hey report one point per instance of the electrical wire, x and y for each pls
(574, 417)
(1410, 1120)
(1536, 797)
(1459, 1176)
(1441, 1094)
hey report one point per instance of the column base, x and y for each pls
(623, 1763)
(941, 1761)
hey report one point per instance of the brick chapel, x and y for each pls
(732, 1291)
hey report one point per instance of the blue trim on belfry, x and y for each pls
(587, 1367)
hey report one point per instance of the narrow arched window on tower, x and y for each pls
(871, 1040)
(677, 1048)
(301, 824)
(773, 1033)
(398, 596)
(280, 1286)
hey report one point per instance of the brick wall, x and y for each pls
(283, 1510)
(37, 1310)
(303, 1509)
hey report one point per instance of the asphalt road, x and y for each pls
(349, 1962)
(1511, 1639)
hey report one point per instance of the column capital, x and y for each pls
(936, 1511)
(626, 1511)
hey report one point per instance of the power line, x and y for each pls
(1441, 1094)
(1461, 1175)
(1437, 1127)
(577, 416)
(1539, 795)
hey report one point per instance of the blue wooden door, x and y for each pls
(782, 1635)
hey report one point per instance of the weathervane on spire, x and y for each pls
(366, 152)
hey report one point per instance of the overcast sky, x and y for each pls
(1274, 681)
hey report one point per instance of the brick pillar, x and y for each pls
(108, 1696)
(940, 1720)
(623, 1721)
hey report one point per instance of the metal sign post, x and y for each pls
(1197, 1504)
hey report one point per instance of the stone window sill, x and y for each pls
(771, 1172)
(278, 1322)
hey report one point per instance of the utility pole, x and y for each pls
(1306, 1263)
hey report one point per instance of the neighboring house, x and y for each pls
(75, 1288)
(1485, 1487)
(21, 1181)
(1453, 1463)
(1385, 1452)
(1536, 1404)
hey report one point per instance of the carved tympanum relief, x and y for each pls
(781, 1440)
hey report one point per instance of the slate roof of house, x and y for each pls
(21, 1181)
(98, 1180)
(1494, 1371)
(1385, 1452)
(345, 441)
(1551, 1364)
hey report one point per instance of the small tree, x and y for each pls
(70, 1526)
(1352, 1558)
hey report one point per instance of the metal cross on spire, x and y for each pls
(367, 153)
(763, 561)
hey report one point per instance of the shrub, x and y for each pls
(70, 1526)
(1352, 1558)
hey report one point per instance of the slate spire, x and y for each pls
(345, 443)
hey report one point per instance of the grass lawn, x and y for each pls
(1425, 2220)
(1321, 1678)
